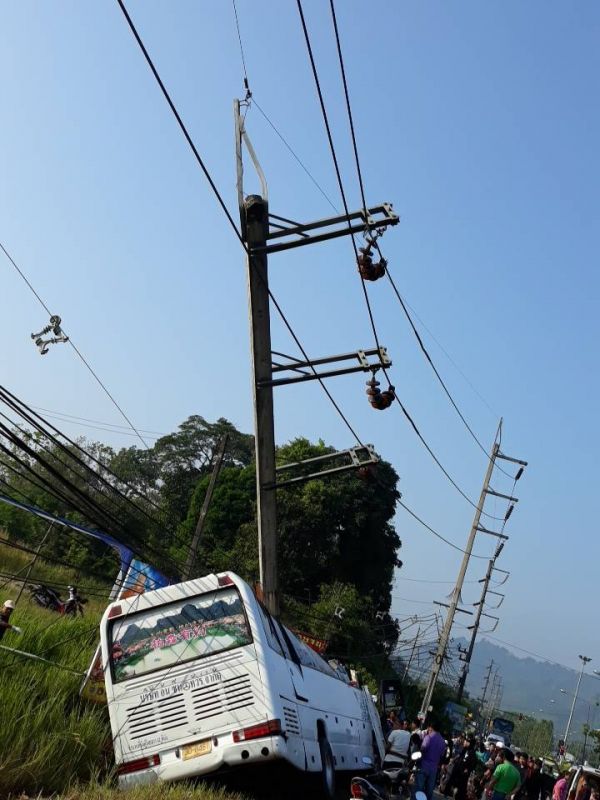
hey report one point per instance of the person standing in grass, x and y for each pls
(5, 613)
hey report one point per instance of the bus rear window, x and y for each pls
(177, 632)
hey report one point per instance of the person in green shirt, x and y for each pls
(506, 779)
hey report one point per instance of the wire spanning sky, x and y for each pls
(477, 121)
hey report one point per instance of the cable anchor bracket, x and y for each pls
(58, 338)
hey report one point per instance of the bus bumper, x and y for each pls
(223, 755)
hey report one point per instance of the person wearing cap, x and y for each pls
(5, 625)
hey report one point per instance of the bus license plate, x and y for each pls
(196, 749)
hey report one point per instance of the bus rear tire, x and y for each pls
(327, 769)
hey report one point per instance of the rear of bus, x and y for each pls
(183, 682)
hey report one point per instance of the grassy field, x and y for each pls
(51, 743)
(179, 791)
(48, 738)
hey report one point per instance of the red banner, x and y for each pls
(318, 645)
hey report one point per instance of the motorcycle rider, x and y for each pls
(7, 610)
(74, 604)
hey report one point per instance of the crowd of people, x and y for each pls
(464, 768)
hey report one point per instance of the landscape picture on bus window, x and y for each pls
(177, 632)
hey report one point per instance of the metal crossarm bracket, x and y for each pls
(297, 235)
(446, 605)
(491, 533)
(514, 460)
(339, 461)
(503, 496)
(366, 363)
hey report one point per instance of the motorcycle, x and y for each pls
(48, 598)
(390, 783)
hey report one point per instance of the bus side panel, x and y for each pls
(275, 676)
(345, 724)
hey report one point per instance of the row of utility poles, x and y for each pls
(453, 605)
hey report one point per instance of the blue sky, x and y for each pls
(479, 121)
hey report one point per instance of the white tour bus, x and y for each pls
(200, 677)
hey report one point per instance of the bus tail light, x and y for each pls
(270, 728)
(138, 764)
(115, 611)
(225, 580)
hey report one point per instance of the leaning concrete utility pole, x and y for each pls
(475, 626)
(217, 463)
(456, 593)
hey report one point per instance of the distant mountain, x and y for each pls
(532, 687)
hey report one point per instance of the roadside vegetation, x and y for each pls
(172, 791)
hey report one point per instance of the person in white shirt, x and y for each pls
(398, 742)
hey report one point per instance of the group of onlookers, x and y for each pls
(468, 770)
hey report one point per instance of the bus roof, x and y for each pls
(173, 592)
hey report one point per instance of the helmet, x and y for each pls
(9, 604)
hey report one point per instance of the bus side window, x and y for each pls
(288, 644)
(271, 632)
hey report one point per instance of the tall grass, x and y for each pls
(49, 738)
(157, 791)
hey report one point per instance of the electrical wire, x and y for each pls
(435, 533)
(295, 155)
(439, 463)
(437, 373)
(238, 234)
(97, 421)
(267, 118)
(103, 485)
(426, 580)
(337, 167)
(180, 122)
(362, 193)
(38, 422)
(118, 432)
(18, 405)
(346, 209)
(237, 25)
(76, 349)
(212, 184)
